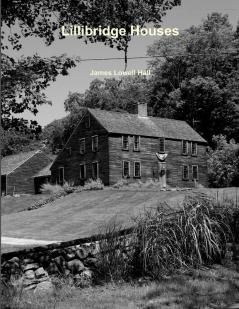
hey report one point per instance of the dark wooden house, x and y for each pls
(24, 172)
(114, 145)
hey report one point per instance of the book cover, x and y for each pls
(119, 152)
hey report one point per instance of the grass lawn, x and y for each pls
(208, 288)
(12, 204)
(83, 214)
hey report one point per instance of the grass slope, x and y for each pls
(83, 214)
(13, 204)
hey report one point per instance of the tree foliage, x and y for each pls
(13, 141)
(108, 94)
(23, 82)
(223, 163)
(197, 80)
(111, 94)
(43, 18)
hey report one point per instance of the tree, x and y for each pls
(43, 18)
(197, 79)
(206, 107)
(108, 94)
(111, 94)
(223, 163)
(23, 83)
(24, 80)
(13, 142)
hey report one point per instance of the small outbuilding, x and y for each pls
(24, 172)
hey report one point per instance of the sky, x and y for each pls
(191, 12)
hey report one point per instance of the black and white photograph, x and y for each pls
(119, 141)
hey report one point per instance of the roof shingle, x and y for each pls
(10, 163)
(44, 172)
(124, 123)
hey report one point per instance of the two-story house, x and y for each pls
(114, 145)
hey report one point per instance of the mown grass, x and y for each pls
(205, 288)
(15, 204)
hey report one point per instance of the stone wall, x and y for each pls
(34, 267)
(79, 259)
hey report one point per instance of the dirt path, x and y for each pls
(25, 241)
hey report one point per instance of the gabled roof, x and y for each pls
(124, 123)
(10, 163)
(44, 172)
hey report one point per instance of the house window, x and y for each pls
(68, 151)
(136, 143)
(82, 171)
(137, 169)
(195, 172)
(95, 143)
(61, 175)
(194, 149)
(125, 142)
(184, 147)
(82, 145)
(185, 172)
(95, 170)
(87, 121)
(161, 144)
(126, 169)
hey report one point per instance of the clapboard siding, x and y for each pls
(72, 163)
(110, 156)
(149, 162)
(21, 180)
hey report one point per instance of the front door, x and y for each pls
(3, 185)
(162, 174)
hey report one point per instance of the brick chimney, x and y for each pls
(142, 110)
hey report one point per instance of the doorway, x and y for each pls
(3, 185)
(162, 174)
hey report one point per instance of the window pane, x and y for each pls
(125, 168)
(136, 142)
(82, 146)
(161, 144)
(125, 142)
(136, 169)
(195, 171)
(95, 170)
(185, 147)
(185, 172)
(61, 175)
(82, 171)
(94, 143)
(194, 148)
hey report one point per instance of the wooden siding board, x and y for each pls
(21, 180)
(149, 162)
(72, 163)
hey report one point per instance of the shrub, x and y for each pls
(115, 255)
(68, 188)
(148, 184)
(94, 185)
(51, 188)
(168, 240)
(223, 163)
(120, 183)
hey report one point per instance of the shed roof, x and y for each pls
(44, 172)
(124, 123)
(10, 163)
